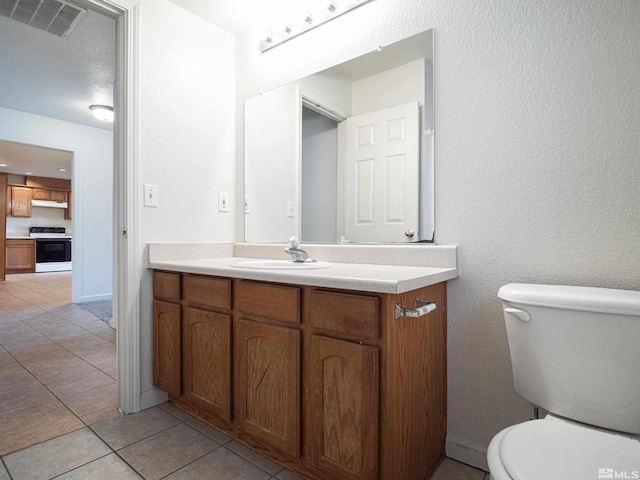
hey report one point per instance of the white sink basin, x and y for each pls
(281, 265)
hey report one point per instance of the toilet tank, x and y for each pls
(575, 351)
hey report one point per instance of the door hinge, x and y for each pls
(124, 233)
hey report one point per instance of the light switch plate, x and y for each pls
(223, 202)
(290, 209)
(246, 205)
(150, 195)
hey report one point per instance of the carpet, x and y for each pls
(100, 308)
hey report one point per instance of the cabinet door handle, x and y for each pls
(421, 311)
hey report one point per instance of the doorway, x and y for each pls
(86, 167)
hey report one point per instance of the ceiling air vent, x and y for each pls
(53, 16)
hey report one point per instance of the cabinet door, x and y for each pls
(20, 256)
(167, 365)
(20, 201)
(343, 396)
(267, 363)
(57, 196)
(40, 194)
(207, 361)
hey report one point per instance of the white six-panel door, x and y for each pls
(381, 178)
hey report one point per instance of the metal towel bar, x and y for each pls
(423, 309)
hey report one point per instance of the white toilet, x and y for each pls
(575, 352)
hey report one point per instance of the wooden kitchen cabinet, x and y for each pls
(20, 201)
(327, 382)
(267, 383)
(68, 210)
(20, 255)
(40, 194)
(51, 195)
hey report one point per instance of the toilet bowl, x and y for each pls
(574, 353)
(556, 449)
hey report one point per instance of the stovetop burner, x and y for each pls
(47, 232)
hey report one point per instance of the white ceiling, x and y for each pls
(41, 162)
(55, 77)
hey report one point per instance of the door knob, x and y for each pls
(409, 233)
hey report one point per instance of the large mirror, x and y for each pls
(345, 155)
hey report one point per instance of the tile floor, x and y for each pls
(57, 404)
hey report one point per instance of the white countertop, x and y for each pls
(16, 237)
(349, 276)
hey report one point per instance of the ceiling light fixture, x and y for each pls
(102, 112)
(62, 169)
(28, 173)
(308, 21)
(3, 164)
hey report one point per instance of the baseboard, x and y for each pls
(152, 398)
(95, 298)
(467, 452)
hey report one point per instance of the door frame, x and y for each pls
(127, 264)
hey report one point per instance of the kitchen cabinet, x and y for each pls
(20, 201)
(51, 195)
(67, 211)
(328, 382)
(20, 255)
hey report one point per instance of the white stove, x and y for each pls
(53, 249)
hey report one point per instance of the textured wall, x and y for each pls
(537, 117)
(186, 130)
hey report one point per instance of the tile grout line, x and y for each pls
(62, 346)
(45, 386)
(6, 469)
(52, 393)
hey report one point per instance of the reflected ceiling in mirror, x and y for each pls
(345, 155)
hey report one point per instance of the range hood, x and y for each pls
(49, 204)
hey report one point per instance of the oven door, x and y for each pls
(53, 250)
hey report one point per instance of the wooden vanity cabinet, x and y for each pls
(343, 403)
(207, 361)
(267, 363)
(326, 382)
(267, 383)
(207, 344)
(167, 332)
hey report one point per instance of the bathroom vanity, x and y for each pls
(334, 383)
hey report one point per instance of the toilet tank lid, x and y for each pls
(587, 299)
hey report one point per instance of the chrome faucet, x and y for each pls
(297, 254)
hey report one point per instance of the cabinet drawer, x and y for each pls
(210, 292)
(166, 285)
(345, 313)
(268, 301)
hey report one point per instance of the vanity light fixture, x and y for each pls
(102, 112)
(332, 9)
